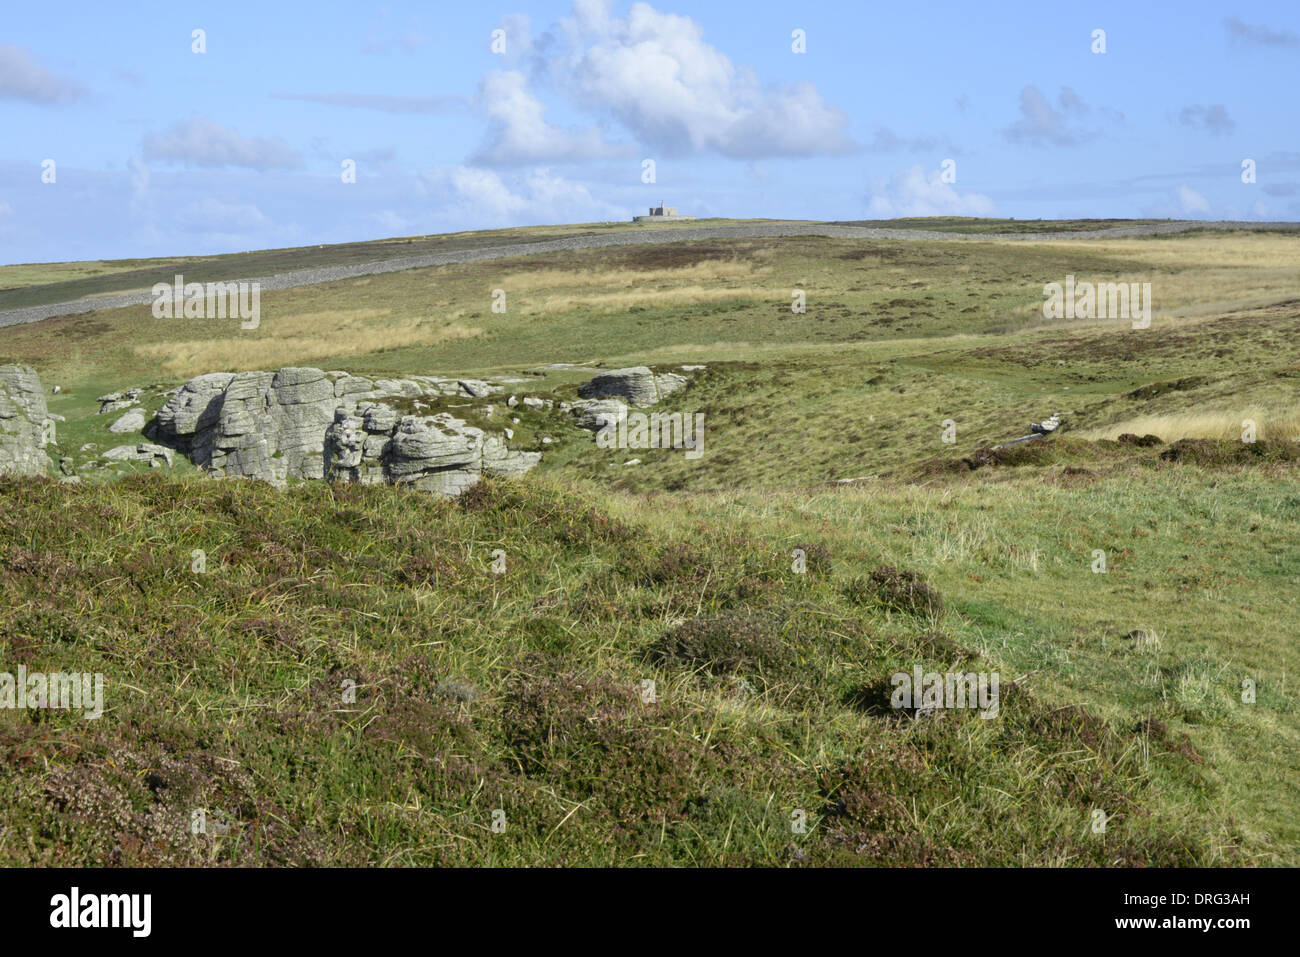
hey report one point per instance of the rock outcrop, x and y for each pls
(23, 417)
(606, 397)
(637, 385)
(304, 423)
(595, 414)
(434, 453)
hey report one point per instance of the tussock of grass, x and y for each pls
(1269, 424)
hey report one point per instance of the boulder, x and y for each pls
(636, 386)
(23, 417)
(155, 455)
(117, 401)
(132, 421)
(596, 414)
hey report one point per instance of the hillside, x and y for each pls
(479, 689)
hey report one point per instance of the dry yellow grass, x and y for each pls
(621, 301)
(1205, 425)
(1213, 251)
(612, 290)
(1200, 275)
(287, 340)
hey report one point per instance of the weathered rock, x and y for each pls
(22, 422)
(256, 424)
(637, 385)
(132, 421)
(304, 423)
(155, 455)
(406, 388)
(499, 460)
(352, 385)
(380, 418)
(595, 414)
(351, 454)
(193, 410)
(117, 401)
(435, 453)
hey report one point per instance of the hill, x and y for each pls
(860, 432)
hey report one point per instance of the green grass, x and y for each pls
(522, 692)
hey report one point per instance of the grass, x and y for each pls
(524, 692)
(1268, 424)
(33, 284)
(305, 337)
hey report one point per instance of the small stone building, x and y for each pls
(660, 213)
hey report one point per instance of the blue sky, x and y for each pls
(159, 150)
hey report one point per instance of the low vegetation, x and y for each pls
(690, 661)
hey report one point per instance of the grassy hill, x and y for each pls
(523, 692)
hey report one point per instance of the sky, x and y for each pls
(121, 140)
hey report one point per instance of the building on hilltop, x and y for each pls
(660, 213)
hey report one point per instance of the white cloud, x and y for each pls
(213, 215)
(483, 197)
(520, 134)
(657, 75)
(1190, 202)
(392, 223)
(22, 78)
(1186, 203)
(917, 193)
(485, 192)
(204, 142)
(519, 35)
(1041, 124)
